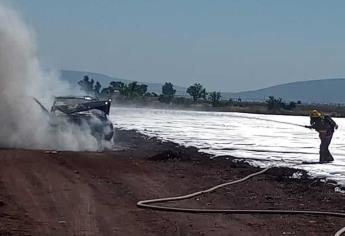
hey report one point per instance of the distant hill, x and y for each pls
(317, 91)
(74, 76)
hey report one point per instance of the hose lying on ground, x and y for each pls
(340, 232)
(148, 204)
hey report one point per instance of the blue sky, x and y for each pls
(226, 45)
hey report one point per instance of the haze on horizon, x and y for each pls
(226, 45)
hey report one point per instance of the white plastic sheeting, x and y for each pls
(260, 142)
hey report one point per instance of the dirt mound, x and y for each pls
(283, 173)
(166, 155)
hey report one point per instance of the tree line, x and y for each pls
(196, 91)
(278, 103)
(134, 89)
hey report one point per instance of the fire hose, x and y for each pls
(148, 204)
(263, 119)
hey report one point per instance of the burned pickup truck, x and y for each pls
(88, 112)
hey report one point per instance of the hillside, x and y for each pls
(318, 91)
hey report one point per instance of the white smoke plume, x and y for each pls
(22, 122)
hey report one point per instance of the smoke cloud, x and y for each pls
(23, 124)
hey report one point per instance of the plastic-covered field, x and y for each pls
(262, 140)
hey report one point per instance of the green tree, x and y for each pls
(214, 97)
(132, 89)
(88, 86)
(106, 93)
(276, 104)
(168, 93)
(196, 91)
(141, 89)
(290, 106)
(119, 86)
(123, 89)
(116, 85)
(97, 89)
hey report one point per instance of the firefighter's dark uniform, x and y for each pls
(324, 125)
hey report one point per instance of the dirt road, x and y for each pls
(79, 193)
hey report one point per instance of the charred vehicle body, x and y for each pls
(86, 111)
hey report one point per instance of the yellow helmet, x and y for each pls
(315, 114)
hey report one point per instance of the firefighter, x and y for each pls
(325, 126)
